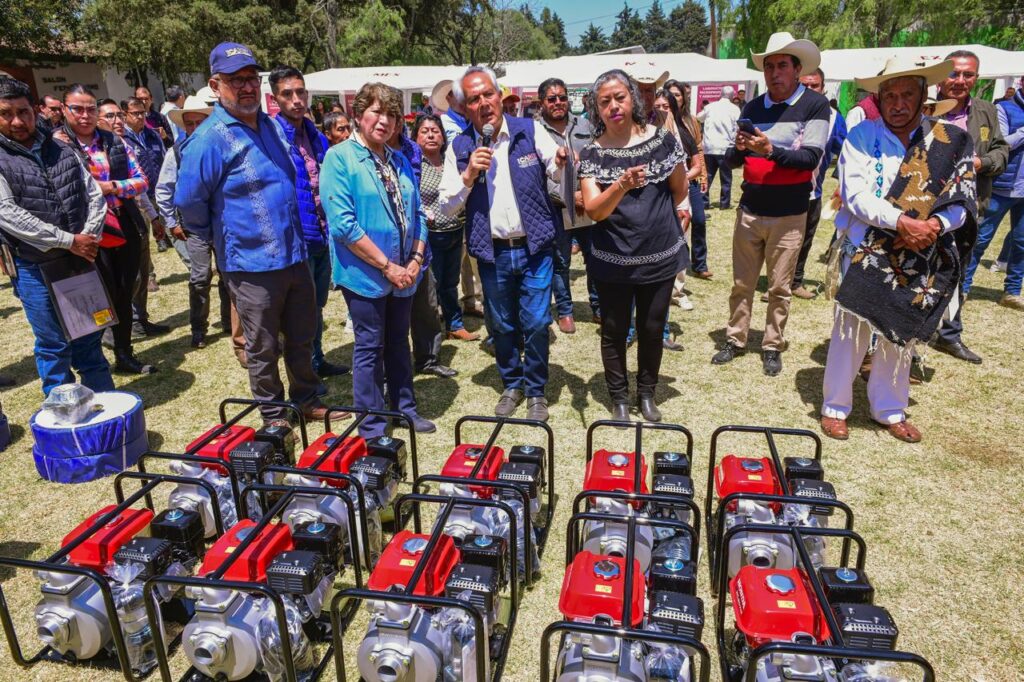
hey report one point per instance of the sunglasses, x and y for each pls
(551, 99)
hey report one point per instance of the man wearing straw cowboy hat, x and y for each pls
(785, 135)
(908, 188)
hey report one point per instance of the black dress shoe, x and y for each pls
(147, 328)
(772, 360)
(728, 353)
(126, 363)
(328, 369)
(669, 344)
(198, 341)
(958, 350)
(438, 371)
(620, 412)
(649, 409)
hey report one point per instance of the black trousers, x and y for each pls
(426, 326)
(617, 302)
(813, 217)
(119, 268)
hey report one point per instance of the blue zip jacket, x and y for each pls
(357, 205)
(236, 188)
(312, 229)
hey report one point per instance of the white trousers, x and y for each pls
(889, 385)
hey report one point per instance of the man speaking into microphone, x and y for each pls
(498, 170)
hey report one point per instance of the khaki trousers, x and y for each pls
(472, 293)
(775, 243)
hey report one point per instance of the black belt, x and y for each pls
(511, 243)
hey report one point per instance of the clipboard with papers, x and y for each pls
(79, 296)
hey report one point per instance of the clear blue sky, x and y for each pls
(577, 15)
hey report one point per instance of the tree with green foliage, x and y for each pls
(689, 30)
(657, 29)
(629, 28)
(372, 36)
(592, 40)
(38, 26)
(554, 29)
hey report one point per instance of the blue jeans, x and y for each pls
(560, 282)
(446, 250)
(998, 207)
(517, 294)
(381, 353)
(320, 267)
(55, 355)
(698, 230)
(582, 237)
(716, 166)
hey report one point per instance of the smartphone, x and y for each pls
(746, 126)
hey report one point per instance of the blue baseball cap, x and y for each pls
(230, 58)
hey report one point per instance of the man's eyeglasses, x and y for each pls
(966, 75)
(111, 115)
(79, 110)
(239, 82)
(135, 114)
(54, 108)
(551, 99)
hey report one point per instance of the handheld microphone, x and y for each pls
(485, 141)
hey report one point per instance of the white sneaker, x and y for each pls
(684, 302)
(998, 266)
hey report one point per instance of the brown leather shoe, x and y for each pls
(1014, 302)
(316, 413)
(804, 293)
(596, 320)
(567, 325)
(835, 428)
(905, 431)
(463, 335)
(706, 274)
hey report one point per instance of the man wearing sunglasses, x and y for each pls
(51, 113)
(567, 129)
(236, 188)
(991, 153)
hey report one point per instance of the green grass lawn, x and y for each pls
(940, 518)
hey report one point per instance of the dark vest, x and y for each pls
(117, 156)
(52, 191)
(529, 180)
(1014, 111)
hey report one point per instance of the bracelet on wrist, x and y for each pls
(387, 262)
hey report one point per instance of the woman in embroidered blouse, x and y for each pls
(633, 178)
(378, 235)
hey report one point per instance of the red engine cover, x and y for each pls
(398, 561)
(746, 475)
(251, 565)
(341, 458)
(771, 605)
(99, 549)
(595, 585)
(615, 471)
(464, 457)
(221, 446)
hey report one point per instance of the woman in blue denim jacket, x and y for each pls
(377, 230)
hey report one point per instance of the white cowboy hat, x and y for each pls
(942, 106)
(899, 67)
(439, 96)
(646, 73)
(784, 43)
(207, 95)
(193, 105)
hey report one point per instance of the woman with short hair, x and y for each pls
(378, 237)
(445, 234)
(632, 178)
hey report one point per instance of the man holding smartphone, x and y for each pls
(779, 141)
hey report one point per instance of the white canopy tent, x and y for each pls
(845, 65)
(525, 76)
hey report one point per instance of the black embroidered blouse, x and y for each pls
(641, 240)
